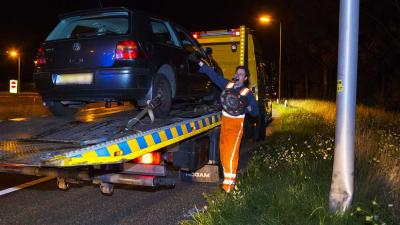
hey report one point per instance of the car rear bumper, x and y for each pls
(125, 83)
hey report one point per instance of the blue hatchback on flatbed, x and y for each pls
(117, 54)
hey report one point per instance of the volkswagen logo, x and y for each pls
(76, 47)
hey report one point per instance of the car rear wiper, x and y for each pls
(85, 34)
(107, 32)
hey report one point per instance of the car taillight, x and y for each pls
(40, 57)
(126, 50)
(149, 158)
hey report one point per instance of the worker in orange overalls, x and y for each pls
(237, 100)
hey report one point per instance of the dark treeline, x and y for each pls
(310, 49)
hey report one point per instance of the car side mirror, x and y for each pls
(208, 51)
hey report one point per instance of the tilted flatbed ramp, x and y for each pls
(73, 148)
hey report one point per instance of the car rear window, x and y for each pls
(114, 23)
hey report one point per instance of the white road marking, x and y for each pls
(22, 186)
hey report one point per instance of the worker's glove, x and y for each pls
(244, 101)
(194, 57)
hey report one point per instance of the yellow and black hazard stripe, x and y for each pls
(133, 146)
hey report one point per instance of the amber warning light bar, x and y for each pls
(233, 32)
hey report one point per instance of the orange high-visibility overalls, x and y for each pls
(230, 137)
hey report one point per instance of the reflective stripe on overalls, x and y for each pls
(230, 138)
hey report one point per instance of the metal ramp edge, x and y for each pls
(132, 146)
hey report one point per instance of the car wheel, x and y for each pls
(162, 88)
(60, 110)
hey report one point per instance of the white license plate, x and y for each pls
(74, 78)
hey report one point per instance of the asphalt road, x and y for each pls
(83, 203)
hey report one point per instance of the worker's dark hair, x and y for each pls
(245, 70)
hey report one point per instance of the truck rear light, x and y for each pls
(149, 158)
(126, 50)
(235, 33)
(196, 35)
(40, 57)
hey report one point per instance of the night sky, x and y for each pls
(25, 24)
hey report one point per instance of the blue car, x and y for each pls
(117, 54)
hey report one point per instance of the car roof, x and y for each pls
(108, 9)
(91, 11)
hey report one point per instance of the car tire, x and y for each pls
(60, 110)
(162, 87)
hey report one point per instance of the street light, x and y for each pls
(15, 54)
(264, 19)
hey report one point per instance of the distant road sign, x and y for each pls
(14, 86)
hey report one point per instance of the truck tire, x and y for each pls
(248, 128)
(107, 189)
(254, 127)
(261, 124)
(60, 110)
(162, 87)
(62, 184)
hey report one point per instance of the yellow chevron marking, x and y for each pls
(133, 145)
(163, 136)
(149, 140)
(89, 154)
(114, 150)
(174, 132)
(200, 123)
(184, 129)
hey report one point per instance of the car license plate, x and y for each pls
(74, 78)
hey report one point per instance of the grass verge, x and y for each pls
(288, 179)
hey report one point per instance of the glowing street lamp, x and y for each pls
(15, 54)
(264, 19)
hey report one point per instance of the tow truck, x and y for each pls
(238, 46)
(127, 147)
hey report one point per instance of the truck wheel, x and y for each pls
(162, 88)
(260, 128)
(60, 110)
(62, 184)
(107, 189)
(254, 127)
(248, 127)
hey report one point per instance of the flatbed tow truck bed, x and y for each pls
(72, 150)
